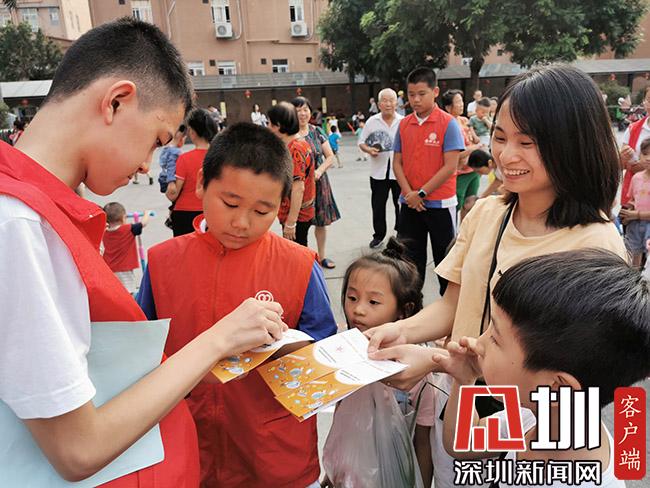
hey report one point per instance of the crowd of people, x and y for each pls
(535, 284)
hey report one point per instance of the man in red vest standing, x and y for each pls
(120, 91)
(426, 148)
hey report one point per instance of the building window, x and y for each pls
(280, 66)
(54, 15)
(141, 10)
(5, 18)
(213, 62)
(220, 11)
(121, 2)
(263, 61)
(296, 10)
(499, 52)
(227, 68)
(30, 15)
(196, 69)
(308, 59)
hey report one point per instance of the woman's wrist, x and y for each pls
(289, 225)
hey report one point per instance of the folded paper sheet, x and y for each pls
(320, 374)
(234, 366)
(120, 354)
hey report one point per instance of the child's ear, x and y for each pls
(199, 184)
(115, 96)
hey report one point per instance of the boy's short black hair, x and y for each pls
(574, 138)
(249, 146)
(584, 312)
(422, 74)
(333, 128)
(484, 102)
(645, 146)
(200, 121)
(127, 48)
(284, 115)
(479, 159)
(115, 212)
(447, 98)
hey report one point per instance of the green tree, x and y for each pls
(402, 38)
(25, 55)
(405, 33)
(548, 30)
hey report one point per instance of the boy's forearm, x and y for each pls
(398, 169)
(448, 169)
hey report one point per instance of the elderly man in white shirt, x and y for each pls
(377, 140)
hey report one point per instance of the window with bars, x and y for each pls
(30, 15)
(220, 11)
(54, 15)
(196, 68)
(296, 10)
(141, 10)
(227, 68)
(5, 18)
(280, 65)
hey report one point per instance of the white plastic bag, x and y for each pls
(369, 444)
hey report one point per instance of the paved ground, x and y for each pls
(347, 238)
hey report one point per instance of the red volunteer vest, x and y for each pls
(635, 133)
(246, 438)
(80, 224)
(422, 152)
(119, 249)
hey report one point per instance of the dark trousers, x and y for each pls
(182, 221)
(414, 227)
(302, 232)
(380, 190)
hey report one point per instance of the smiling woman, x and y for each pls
(560, 167)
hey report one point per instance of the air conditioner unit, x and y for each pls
(298, 29)
(223, 29)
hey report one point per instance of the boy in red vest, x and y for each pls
(427, 146)
(120, 91)
(246, 437)
(120, 251)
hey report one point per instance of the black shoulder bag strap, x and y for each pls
(493, 267)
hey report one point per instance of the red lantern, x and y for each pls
(348, 88)
(647, 76)
(24, 102)
(443, 83)
(299, 91)
(487, 82)
(247, 93)
(612, 77)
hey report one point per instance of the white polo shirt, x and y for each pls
(377, 133)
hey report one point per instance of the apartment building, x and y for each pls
(63, 20)
(231, 37)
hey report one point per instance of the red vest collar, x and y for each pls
(86, 215)
(430, 118)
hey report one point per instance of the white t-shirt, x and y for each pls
(645, 134)
(471, 107)
(608, 480)
(45, 325)
(377, 133)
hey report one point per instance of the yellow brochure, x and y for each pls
(325, 372)
(234, 366)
